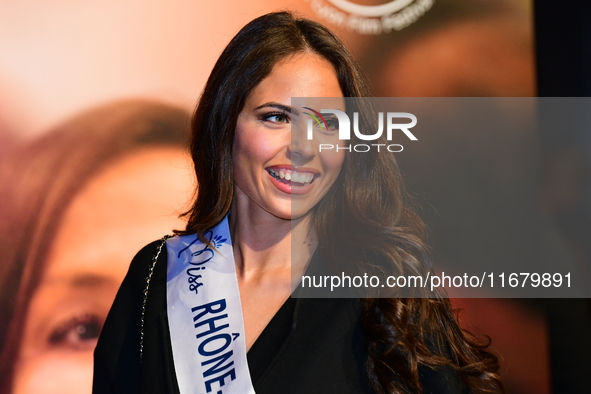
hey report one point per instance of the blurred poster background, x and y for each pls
(66, 65)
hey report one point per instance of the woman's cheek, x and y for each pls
(56, 373)
(332, 161)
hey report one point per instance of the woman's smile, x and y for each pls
(292, 180)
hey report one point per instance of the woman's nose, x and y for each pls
(301, 148)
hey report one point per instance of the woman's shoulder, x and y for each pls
(153, 253)
(148, 252)
(148, 264)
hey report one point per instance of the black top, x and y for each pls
(310, 345)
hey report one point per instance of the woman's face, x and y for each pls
(277, 170)
(131, 203)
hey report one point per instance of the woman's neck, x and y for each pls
(267, 245)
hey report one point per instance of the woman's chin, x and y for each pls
(290, 213)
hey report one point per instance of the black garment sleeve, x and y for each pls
(117, 365)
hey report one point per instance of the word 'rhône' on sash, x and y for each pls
(205, 315)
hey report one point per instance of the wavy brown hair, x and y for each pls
(368, 201)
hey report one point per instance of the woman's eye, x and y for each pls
(78, 333)
(328, 126)
(276, 117)
(332, 124)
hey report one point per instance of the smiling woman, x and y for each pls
(76, 203)
(210, 309)
(269, 168)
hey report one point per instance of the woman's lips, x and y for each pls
(292, 180)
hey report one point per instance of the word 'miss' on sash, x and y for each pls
(205, 315)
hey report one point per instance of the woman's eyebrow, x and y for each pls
(282, 107)
(85, 280)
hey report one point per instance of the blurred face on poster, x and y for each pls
(126, 205)
(77, 203)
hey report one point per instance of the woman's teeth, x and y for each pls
(293, 176)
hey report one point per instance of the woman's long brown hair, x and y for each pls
(403, 335)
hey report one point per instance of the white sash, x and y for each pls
(205, 315)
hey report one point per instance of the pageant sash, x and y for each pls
(205, 315)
